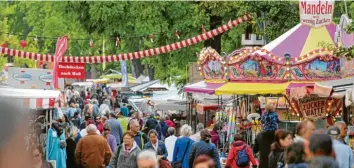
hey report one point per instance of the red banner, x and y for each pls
(62, 45)
(71, 70)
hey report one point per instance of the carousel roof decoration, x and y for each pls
(302, 42)
(212, 66)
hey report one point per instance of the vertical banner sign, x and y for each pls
(124, 71)
(61, 47)
(313, 106)
(316, 13)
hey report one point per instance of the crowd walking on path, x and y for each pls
(118, 138)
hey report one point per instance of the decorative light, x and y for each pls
(23, 43)
(337, 114)
(327, 109)
(201, 74)
(269, 55)
(288, 62)
(199, 68)
(273, 57)
(298, 114)
(288, 69)
(225, 68)
(279, 59)
(292, 113)
(295, 59)
(326, 114)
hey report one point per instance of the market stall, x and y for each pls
(40, 106)
(281, 69)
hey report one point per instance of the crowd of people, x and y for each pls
(102, 135)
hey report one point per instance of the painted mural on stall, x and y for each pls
(322, 69)
(254, 69)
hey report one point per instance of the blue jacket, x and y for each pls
(180, 146)
(344, 154)
(270, 121)
(116, 129)
(161, 148)
(204, 148)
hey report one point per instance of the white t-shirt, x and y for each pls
(170, 145)
(195, 137)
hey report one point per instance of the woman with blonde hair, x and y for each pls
(270, 118)
(71, 146)
(182, 147)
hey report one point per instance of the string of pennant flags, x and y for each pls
(127, 56)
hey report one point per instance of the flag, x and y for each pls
(124, 71)
(61, 47)
(103, 52)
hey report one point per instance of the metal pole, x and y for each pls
(346, 7)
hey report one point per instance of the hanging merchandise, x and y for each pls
(23, 43)
(203, 29)
(117, 42)
(151, 37)
(130, 56)
(3, 45)
(177, 35)
(91, 44)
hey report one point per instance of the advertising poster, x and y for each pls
(71, 70)
(31, 78)
(313, 106)
(316, 13)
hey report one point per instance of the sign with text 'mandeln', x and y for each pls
(71, 70)
(316, 13)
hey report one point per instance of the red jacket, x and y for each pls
(235, 147)
(170, 123)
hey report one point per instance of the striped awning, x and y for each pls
(33, 98)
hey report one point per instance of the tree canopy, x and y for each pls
(134, 22)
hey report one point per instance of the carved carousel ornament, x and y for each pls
(212, 66)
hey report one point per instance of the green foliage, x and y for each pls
(134, 21)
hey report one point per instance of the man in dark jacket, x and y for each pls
(204, 147)
(262, 145)
(321, 147)
(151, 123)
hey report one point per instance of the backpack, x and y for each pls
(242, 157)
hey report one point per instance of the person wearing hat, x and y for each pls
(344, 154)
(204, 147)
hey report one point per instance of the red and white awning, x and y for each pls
(34, 98)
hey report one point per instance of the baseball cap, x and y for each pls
(204, 134)
(333, 130)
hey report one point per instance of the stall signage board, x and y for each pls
(31, 78)
(278, 102)
(316, 13)
(313, 106)
(71, 70)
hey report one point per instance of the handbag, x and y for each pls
(164, 163)
(178, 164)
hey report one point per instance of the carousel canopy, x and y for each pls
(301, 40)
